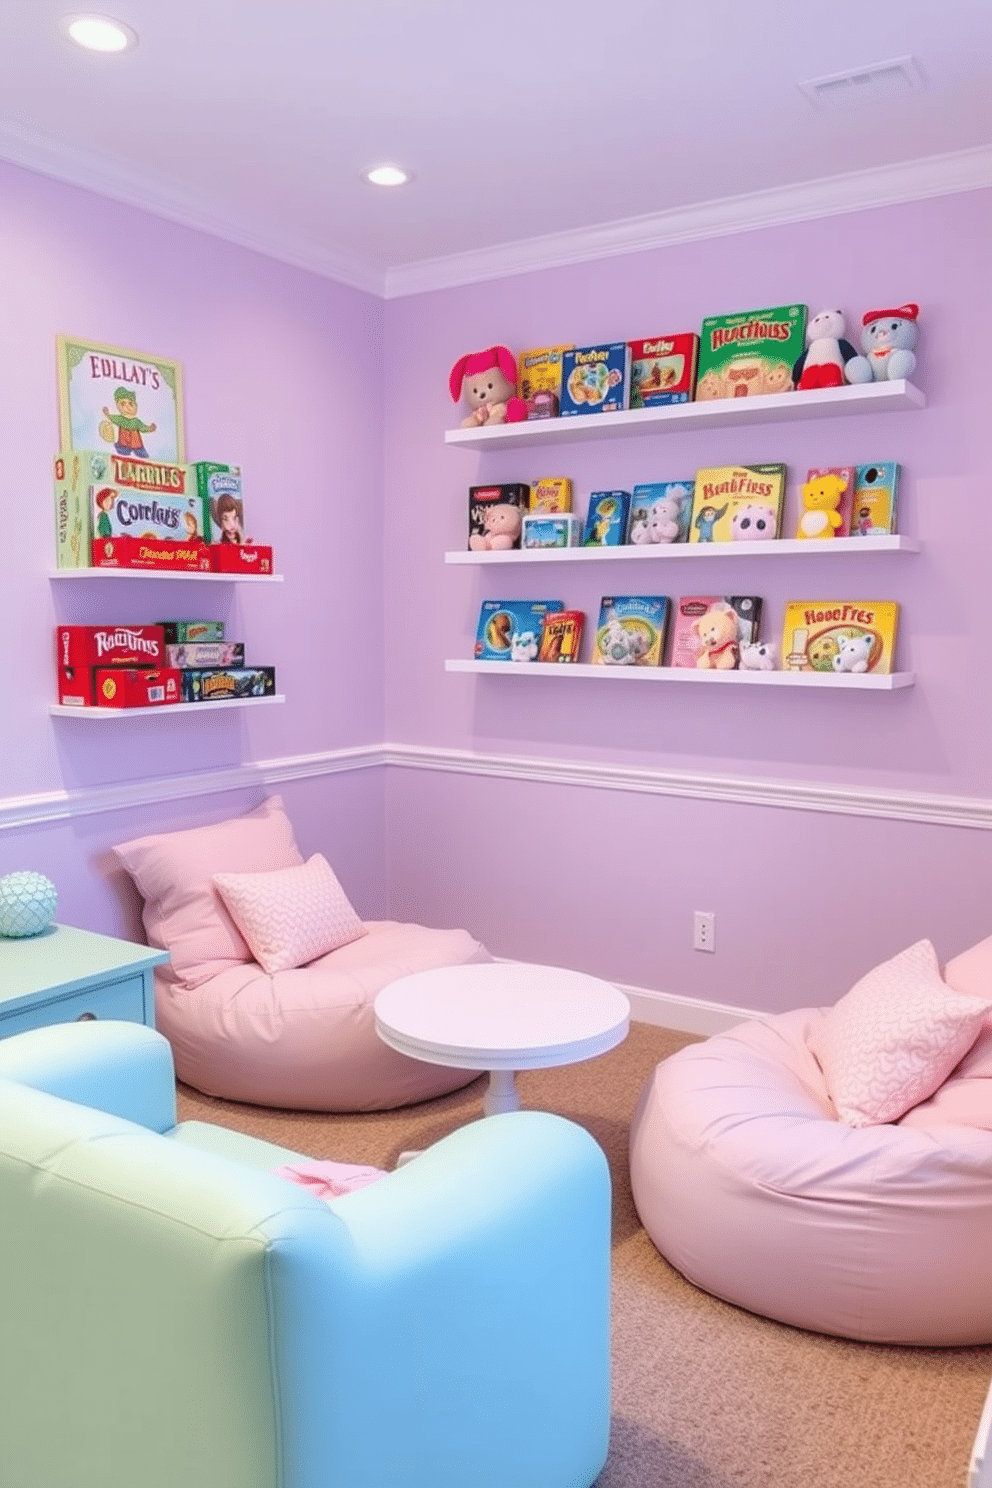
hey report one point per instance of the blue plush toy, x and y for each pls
(888, 339)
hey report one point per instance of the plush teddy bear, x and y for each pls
(821, 498)
(753, 523)
(888, 341)
(824, 361)
(758, 656)
(717, 631)
(503, 522)
(663, 521)
(853, 654)
(523, 645)
(489, 382)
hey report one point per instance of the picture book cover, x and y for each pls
(660, 511)
(663, 370)
(737, 503)
(551, 494)
(561, 636)
(595, 379)
(825, 502)
(750, 353)
(510, 629)
(606, 519)
(839, 635)
(708, 630)
(539, 371)
(631, 630)
(495, 516)
(875, 501)
(118, 400)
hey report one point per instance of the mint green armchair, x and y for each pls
(175, 1316)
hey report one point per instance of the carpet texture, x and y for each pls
(704, 1395)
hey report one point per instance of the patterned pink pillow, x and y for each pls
(895, 1037)
(291, 916)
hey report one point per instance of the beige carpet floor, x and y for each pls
(704, 1395)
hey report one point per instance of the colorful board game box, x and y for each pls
(539, 380)
(510, 629)
(562, 531)
(206, 654)
(552, 493)
(242, 558)
(660, 511)
(692, 633)
(839, 635)
(150, 552)
(495, 515)
(109, 645)
(129, 687)
(219, 487)
(561, 636)
(606, 519)
(811, 521)
(663, 370)
(750, 353)
(222, 684)
(81, 476)
(875, 501)
(178, 632)
(737, 503)
(631, 630)
(595, 379)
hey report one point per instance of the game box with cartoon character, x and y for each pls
(663, 370)
(750, 353)
(839, 635)
(631, 630)
(509, 629)
(737, 503)
(595, 379)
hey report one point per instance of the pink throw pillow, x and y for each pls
(291, 916)
(183, 913)
(895, 1037)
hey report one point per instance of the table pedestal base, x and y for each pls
(502, 1094)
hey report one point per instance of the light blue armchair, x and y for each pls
(173, 1314)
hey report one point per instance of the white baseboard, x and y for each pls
(683, 1014)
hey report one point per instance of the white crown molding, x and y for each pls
(107, 177)
(18, 812)
(881, 186)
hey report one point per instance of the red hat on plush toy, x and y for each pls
(904, 312)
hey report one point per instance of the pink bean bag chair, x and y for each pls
(832, 1167)
(268, 994)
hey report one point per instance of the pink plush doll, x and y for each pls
(490, 385)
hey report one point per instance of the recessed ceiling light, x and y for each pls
(99, 33)
(388, 175)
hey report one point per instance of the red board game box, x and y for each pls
(127, 687)
(150, 552)
(109, 645)
(245, 558)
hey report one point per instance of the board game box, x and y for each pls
(606, 519)
(562, 531)
(631, 630)
(178, 632)
(109, 645)
(691, 633)
(737, 503)
(130, 687)
(242, 558)
(595, 379)
(552, 493)
(150, 552)
(101, 493)
(839, 635)
(561, 636)
(663, 370)
(539, 379)
(222, 684)
(660, 511)
(495, 515)
(206, 654)
(875, 500)
(510, 629)
(750, 353)
(810, 521)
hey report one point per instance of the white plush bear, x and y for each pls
(663, 521)
(853, 654)
(827, 353)
(887, 340)
(758, 656)
(523, 645)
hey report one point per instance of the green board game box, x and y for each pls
(750, 353)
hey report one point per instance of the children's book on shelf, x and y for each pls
(737, 503)
(561, 636)
(875, 500)
(595, 379)
(510, 629)
(708, 630)
(750, 353)
(495, 515)
(839, 635)
(631, 630)
(120, 402)
(663, 370)
(539, 379)
(660, 511)
(828, 490)
(606, 519)
(551, 494)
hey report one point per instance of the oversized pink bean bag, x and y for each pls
(750, 1185)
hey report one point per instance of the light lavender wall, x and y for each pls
(606, 880)
(278, 367)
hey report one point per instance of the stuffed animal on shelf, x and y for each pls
(488, 380)
(717, 631)
(888, 340)
(821, 498)
(753, 523)
(758, 656)
(824, 362)
(523, 645)
(853, 654)
(503, 523)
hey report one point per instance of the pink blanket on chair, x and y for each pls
(327, 1180)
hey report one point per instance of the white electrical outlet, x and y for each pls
(704, 930)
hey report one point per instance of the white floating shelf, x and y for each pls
(637, 553)
(720, 413)
(167, 710)
(867, 681)
(161, 573)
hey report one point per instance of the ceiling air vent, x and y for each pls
(864, 84)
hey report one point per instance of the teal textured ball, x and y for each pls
(27, 903)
